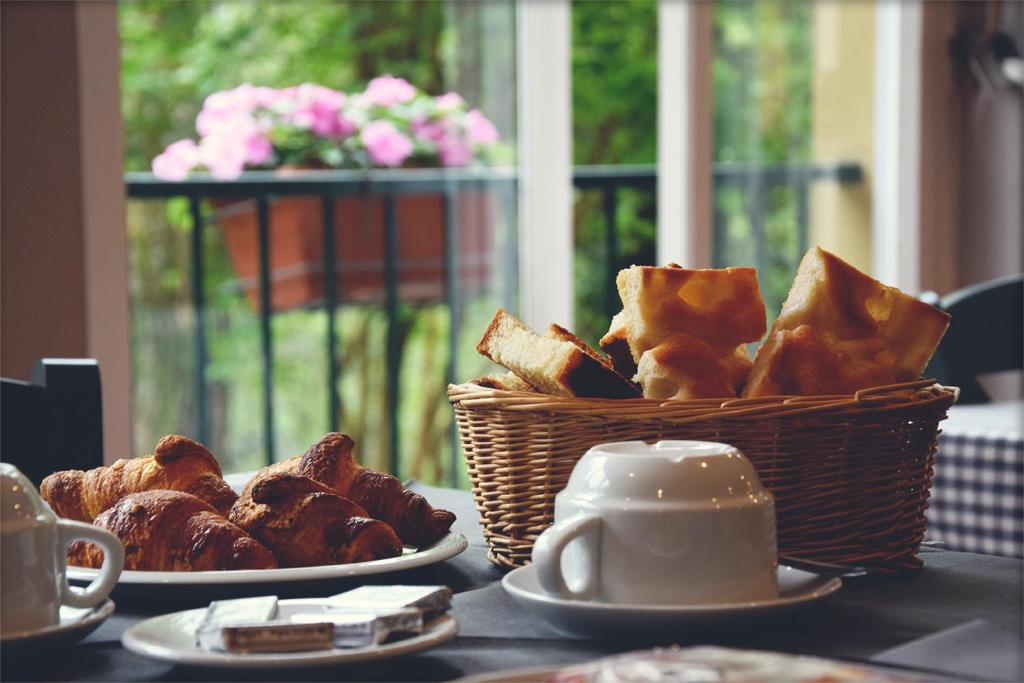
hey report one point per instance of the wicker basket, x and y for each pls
(850, 474)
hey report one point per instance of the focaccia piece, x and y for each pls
(683, 367)
(510, 381)
(616, 345)
(722, 307)
(841, 331)
(553, 366)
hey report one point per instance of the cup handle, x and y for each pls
(113, 561)
(548, 549)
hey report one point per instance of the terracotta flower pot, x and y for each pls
(296, 246)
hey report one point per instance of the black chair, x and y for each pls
(985, 335)
(54, 422)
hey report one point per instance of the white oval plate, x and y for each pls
(608, 620)
(447, 547)
(171, 638)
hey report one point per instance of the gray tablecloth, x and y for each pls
(869, 617)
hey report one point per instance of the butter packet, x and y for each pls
(223, 613)
(430, 599)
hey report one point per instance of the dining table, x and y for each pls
(959, 616)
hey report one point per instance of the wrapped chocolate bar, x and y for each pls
(278, 636)
(392, 621)
(430, 599)
(223, 613)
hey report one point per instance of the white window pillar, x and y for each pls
(545, 162)
(896, 228)
(684, 133)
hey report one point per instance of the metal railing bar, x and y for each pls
(330, 306)
(263, 219)
(451, 296)
(510, 248)
(428, 181)
(610, 200)
(394, 349)
(255, 183)
(199, 319)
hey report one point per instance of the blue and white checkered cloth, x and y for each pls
(977, 499)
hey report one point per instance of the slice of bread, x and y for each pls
(616, 345)
(510, 381)
(556, 331)
(841, 331)
(683, 367)
(552, 365)
(721, 307)
(686, 330)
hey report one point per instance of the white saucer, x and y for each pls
(602, 619)
(171, 638)
(75, 623)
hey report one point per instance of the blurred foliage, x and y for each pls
(761, 80)
(174, 53)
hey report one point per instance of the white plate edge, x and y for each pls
(449, 546)
(444, 629)
(825, 590)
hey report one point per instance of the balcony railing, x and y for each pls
(264, 187)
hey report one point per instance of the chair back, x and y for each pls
(54, 422)
(984, 336)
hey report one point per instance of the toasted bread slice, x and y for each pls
(510, 381)
(553, 366)
(684, 367)
(616, 345)
(841, 331)
(721, 307)
(556, 331)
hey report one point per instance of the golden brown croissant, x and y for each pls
(173, 531)
(330, 462)
(304, 523)
(178, 463)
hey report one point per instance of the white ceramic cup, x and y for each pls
(33, 558)
(676, 522)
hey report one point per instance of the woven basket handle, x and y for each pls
(547, 557)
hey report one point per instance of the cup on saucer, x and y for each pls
(670, 523)
(33, 559)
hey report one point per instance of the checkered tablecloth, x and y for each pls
(977, 500)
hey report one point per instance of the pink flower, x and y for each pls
(428, 130)
(317, 109)
(258, 149)
(224, 155)
(449, 101)
(386, 91)
(385, 144)
(481, 130)
(454, 151)
(176, 161)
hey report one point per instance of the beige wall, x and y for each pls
(62, 269)
(842, 120)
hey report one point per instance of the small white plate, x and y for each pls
(448, 546)
(171, 638)
(607, 620)
(75, 623)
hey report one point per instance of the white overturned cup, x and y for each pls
(33, 558)
(676, 522)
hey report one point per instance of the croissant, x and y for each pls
(304, 523)
(330, 462)
(173, 531)
(177, 463)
